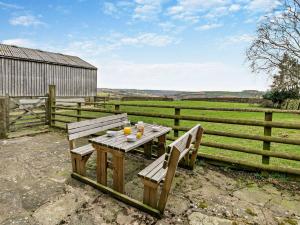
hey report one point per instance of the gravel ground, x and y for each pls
(36, 188)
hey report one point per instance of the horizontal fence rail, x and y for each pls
(200, 108)
(193, 118)
(61, 111)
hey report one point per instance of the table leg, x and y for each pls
(101, 167)
(148, 150)
(162, 145)
(118, 172)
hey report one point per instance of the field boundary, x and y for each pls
(266, 139)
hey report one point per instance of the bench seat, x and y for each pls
(155, 171)
(162, 170)
(80, 155)
(83, 150)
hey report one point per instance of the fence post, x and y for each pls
(47, 110)
(267, 132)
(176, 121)
(95, 100)
(78, 111)
(4, 114)
(117, 108)
(7, 112)
(52, 103)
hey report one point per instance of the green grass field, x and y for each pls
(276, 132)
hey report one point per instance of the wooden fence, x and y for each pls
(16, 113)
(267, 139)
(58, 113)
(26, 112)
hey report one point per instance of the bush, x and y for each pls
(279, 96)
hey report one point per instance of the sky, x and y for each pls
(189, 45)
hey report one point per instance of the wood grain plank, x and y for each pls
(101, 119)
(93, 131)
(94, 124)
(169, 178)
(150, 167)
(101, 169)
(118, 173)
(120, 142)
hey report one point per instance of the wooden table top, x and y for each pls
(120, 142)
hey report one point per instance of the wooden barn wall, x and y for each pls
(23, 78)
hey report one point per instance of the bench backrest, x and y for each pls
(88, 127)
(184, 143)
(175, 151)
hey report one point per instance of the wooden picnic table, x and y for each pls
(118, 146)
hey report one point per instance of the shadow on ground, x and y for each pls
(36, 188)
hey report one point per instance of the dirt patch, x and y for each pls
(36, 188)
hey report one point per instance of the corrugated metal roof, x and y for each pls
(10, 51)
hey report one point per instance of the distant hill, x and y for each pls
(179, 94)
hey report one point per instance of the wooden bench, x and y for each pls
(162, 170)
(80, 155)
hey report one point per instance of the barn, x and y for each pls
(29, 72)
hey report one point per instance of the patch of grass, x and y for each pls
(202, 205)
(276, 132)
(250, 212)
(290, 221)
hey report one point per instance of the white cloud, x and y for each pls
(196, 4)
(209, 26)
(60, 9)
(18, 42)
(250, 20)
(28, 20)
(167, 26)
(193, 10)
(4, 5)
(110, 8)
(85, 47)
(110, 43)
(117, 40)
(116, 9)
(148, 39)
(217, 12)
(263, 5)
(234, 8)
(147, 9)
(243, 38)
(179, 76)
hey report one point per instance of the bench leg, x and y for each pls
(79, 162)
(185, 162)
(150, 193)
(148, 150)
(118, 172)
(173, 162)
(161, 145)
(101, 168)
(193, 159)
(195, 150)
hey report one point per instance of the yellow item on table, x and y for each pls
(140, 127)
(139, 135)
(127, 130)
